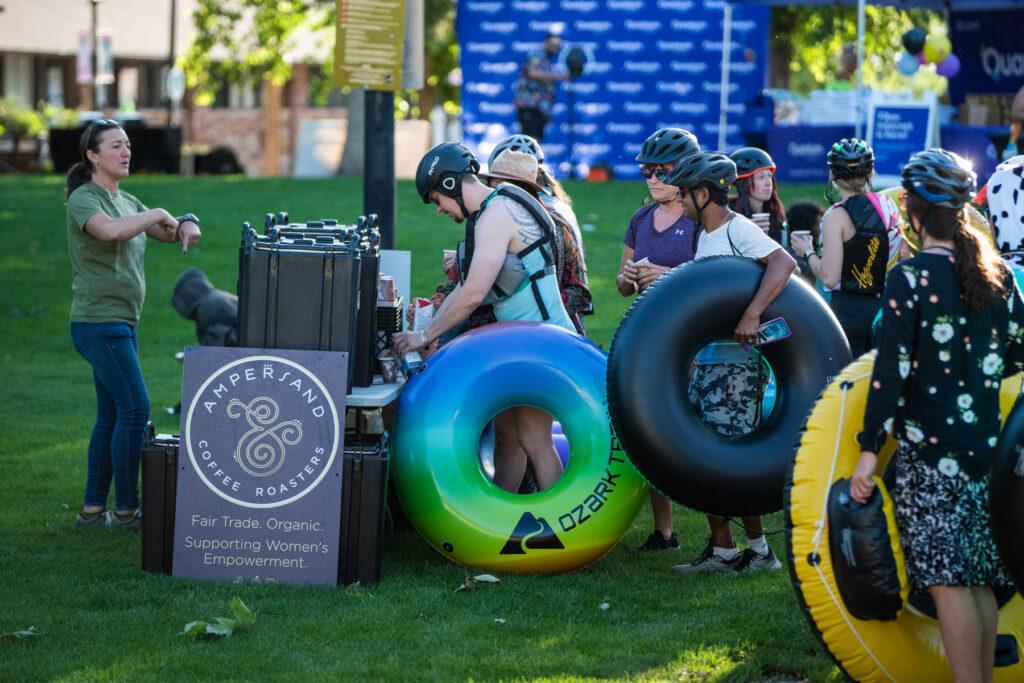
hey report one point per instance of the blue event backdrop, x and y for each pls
(991, 52)
(654, 63)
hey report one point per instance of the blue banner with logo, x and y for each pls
(800, 152)
(652, 64)
(991, 51)
(895, 132)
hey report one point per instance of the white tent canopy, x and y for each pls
(959, 5)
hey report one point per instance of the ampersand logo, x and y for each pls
(262, 431)
(261, 450)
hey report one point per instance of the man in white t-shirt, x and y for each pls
(728, 382)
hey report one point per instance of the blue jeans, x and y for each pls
(122, 411)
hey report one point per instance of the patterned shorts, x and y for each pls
(943, 524)
(728, 396)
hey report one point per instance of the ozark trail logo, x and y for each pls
(537, 533)
(262, 431)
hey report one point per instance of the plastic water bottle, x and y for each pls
(424, 313)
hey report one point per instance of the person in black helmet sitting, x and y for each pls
(509, 238)
(660, 237)
(728, 384)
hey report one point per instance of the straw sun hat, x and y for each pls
(518, 166)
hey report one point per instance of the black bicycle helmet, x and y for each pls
(706, 168)
(517, 143)
(667, 146)
(441, 169)
(940, 177)
(750, 160)
(851, 158)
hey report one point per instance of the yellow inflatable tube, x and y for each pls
(909, 648)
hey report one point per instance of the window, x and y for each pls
(18, 78)
(55, 85)
(128, 88)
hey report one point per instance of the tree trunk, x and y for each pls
(271, 99)
(780, 45)
(428, 93)
(352, 157)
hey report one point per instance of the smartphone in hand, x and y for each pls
(772, 331)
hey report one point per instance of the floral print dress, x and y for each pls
(935, 387)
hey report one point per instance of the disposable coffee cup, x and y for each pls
(388, 367)
(806, 234)
(386, 292)
(761, 217)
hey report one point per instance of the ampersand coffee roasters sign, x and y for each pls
(259, 472)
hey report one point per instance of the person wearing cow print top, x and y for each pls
(1005, 194)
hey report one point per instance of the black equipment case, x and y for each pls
(366, 325)
(298, 292)
(159, 489)
(363, 501)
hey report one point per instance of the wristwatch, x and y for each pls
(188, 217)
(809, 253)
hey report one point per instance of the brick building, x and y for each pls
(39, 45)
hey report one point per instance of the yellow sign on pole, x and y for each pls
(370, 44)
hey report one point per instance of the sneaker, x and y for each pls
(658, 542)
(130, 523)
(91, 520)
(708, 561)
(752, 561)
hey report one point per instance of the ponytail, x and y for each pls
(545, 179)
(78, 175)
(980, 271)
(81, 172)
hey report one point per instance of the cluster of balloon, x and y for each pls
(922, 48)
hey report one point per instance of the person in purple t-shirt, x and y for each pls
(659, 238)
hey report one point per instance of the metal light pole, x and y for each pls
(379, 162)
(95, 59)
(170, 64)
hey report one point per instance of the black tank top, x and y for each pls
(866, 254)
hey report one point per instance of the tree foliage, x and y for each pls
(244, 41)
(806, 41)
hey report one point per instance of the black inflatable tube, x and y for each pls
(687, 308)
(1006, 493)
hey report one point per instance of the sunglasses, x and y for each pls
(96, 126)
(648, 170)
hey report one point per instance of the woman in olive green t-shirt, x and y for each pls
(107, 231)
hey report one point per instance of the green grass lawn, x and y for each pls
(100, 617)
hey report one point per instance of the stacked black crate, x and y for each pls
(366, 329)
(298, 288)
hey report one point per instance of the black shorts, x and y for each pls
(856, 312)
